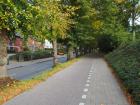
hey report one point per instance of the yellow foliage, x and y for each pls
(119, 1)
(59, 21)
(97, 24)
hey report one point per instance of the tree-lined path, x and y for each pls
(87, 82)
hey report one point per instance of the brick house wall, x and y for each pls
(18, 44)
(33, 44)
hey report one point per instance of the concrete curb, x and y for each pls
(33, 62)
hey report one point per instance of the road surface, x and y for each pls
(87, 82)
(32, 70)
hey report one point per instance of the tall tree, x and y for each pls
(129, 12)
(14, 15)
(58, 22)
(8, 20)
(81, 35)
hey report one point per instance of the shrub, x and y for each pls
(29, 55)
(126, 61)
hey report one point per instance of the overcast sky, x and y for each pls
(137, 22)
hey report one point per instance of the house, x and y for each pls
(18, 44)
(33, 44)
(48, 44)
(15, 45)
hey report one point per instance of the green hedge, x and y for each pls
(126, 61)
(29, 55)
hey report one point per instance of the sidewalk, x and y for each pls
(14, 64)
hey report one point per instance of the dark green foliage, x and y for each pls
(126, 61)
(107, 43)
(28, 55)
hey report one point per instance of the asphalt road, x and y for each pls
(32, 70)
(87, 82)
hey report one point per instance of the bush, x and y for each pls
(29, 55)
(126, 61)
(107, 43)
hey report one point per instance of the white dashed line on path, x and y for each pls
(84, 96)
(86, 90)
(89, 75)
(89, 78)
(90, 72)
(87, 85)
(81, 103)
(88, 81)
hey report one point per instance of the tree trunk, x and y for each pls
(134, 35)
(76, 52)
(3, 54)
(55, 61)
(133, 21)
(133, 27)
(70, 53)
